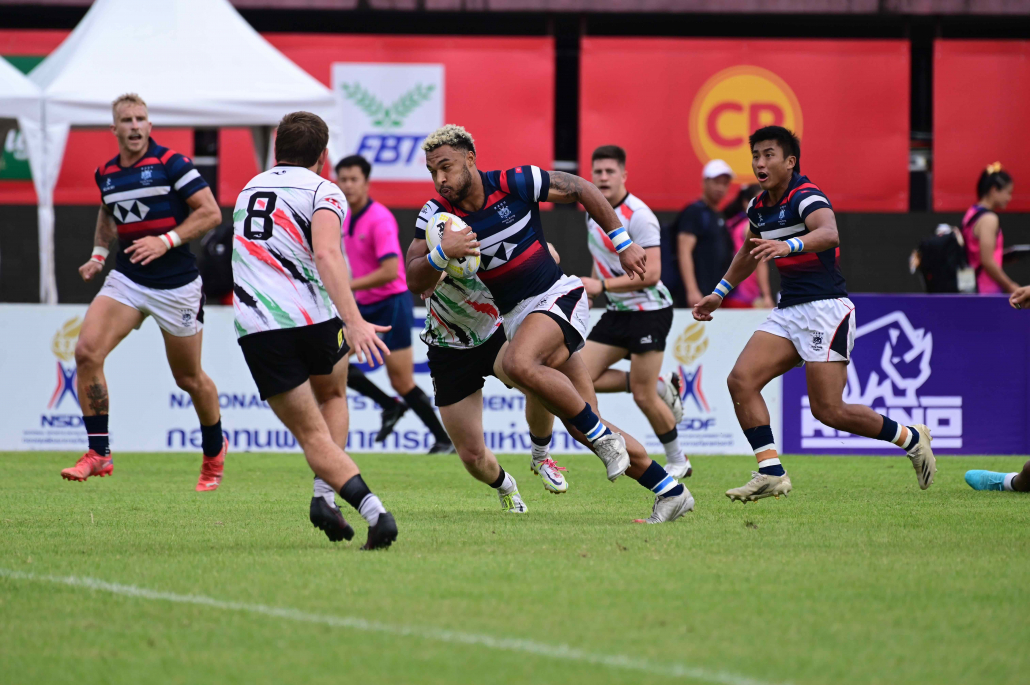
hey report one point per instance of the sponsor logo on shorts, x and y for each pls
(817, 341)
(646, 340)
(187, 317)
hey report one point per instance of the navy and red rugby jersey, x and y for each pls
(149, 198)
(515, 263)
(805, 276)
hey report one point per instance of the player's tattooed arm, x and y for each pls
(107, 229)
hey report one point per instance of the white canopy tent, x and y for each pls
(195, 62)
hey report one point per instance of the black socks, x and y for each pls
(423, 407)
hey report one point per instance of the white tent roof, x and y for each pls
(195, 62)
(19, 97)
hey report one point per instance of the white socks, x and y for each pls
(325, 491)
(371, 508)
(508, 486)
(1007, 484)
(541, 452)
(660, 387)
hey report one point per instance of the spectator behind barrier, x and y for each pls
(941, 261)
(982, 231)
(754, 291)
(703, 247)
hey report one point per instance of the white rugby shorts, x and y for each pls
(178, 311)
(560, 301)
(822, 331)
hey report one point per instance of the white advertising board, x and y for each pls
(150, 414)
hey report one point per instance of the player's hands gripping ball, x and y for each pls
(634, 261)
(364, 342)
(457, 241)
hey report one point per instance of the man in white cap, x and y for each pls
(703, 245)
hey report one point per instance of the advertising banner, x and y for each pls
(981, 92)
(675, 104)
(957, 363)
(150, 414)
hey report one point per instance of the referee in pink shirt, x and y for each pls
(373, 250)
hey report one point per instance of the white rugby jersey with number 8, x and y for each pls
(275, 282)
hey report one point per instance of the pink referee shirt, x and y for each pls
(369, 237)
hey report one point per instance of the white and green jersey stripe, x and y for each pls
(275, 282)
(460, 313)
(642, 226)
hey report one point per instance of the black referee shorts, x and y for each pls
(283, 359)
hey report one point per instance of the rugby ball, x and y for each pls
(459, 267)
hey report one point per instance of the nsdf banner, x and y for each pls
(675, 104)
(981, 95)
(957, 363)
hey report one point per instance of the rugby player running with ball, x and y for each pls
(545, 312)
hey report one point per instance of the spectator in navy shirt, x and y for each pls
(703, 245)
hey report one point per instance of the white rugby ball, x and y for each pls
(458, 267)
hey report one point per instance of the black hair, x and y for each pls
(739, 203)
(992, 177)
(610, 152)
(783, 137)
(355, 160)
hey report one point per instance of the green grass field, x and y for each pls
(858, 577)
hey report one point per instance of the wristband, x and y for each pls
(620, 239)
(171, 238)
(795, 245)
(723, 289)
(100, 254)
(437, 259)
(604, 286)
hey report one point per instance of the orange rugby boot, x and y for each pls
(89, 464)
(211, 470)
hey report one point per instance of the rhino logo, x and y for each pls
(904, 363)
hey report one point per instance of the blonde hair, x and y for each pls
(127, 99)
(449, 134)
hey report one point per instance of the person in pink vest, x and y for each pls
(982, 231)
(373, 250)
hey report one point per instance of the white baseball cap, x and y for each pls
(716, 168)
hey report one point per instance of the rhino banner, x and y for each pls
(957, 363)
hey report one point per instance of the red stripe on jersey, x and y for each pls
(262, 255)
(167, 155)
(495, 197)
(606, 240)
(141, 226)
(504, 268)
(113, 168)
(484, 308)
(801, 258)
(307, 317)
(147, 160)
(761, 199)
(626, 211)
(603, 269)
(282, 221)
(803, 186)
(504, 182)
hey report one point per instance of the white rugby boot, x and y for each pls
(550, 475)
(673, 394)
(922, 457)
(761, 486)
(670, 508)
(512, 502)
(611, 449)
(679, 470)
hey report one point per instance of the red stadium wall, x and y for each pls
(673, 104)
(509, 111)
(981, 96)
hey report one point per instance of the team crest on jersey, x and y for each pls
(146, 176)
(783, 215)
(504, 212)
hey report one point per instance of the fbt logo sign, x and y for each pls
(731, 105)
(387, 110)
(888, 375)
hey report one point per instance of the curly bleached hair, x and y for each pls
(449, 134)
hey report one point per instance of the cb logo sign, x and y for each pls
(731, 105)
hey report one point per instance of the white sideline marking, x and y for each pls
(555, 651)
